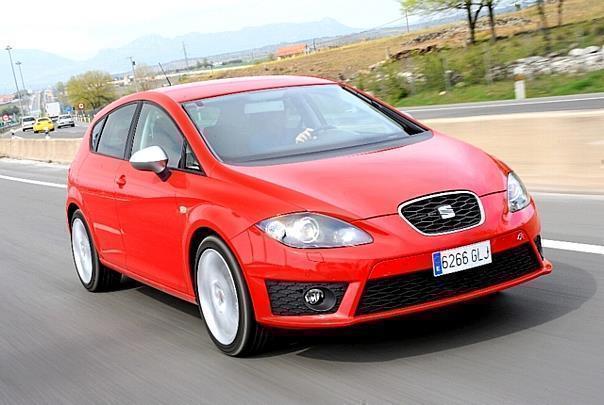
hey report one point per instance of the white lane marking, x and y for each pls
(36, 182)
(573, 246)
(598, 197)
(510, 104)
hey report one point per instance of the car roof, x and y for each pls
(221, 87)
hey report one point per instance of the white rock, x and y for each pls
(591, 49)
(576, 52)
(519, 70)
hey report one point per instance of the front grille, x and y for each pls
(287, 298)
(421, 287)
(423, 213)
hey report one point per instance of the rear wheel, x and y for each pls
(224, 300)
(93, 275)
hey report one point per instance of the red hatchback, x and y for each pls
(292, 202)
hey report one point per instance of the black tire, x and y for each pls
(251, 338)
(103, 278)
(73, 125)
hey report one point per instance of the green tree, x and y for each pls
(471, 7)
(93, 88)
(61, 93)
(10, 110)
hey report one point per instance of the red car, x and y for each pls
(292, 202)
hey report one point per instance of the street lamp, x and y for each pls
(18, 63)
(133, 63)
(10, 57)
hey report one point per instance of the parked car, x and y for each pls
(65, 120)
(43, 124)
(27, 123)
(292, 202)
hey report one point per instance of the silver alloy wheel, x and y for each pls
(82, 251)
(217, 296)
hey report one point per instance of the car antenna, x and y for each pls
(165, 75)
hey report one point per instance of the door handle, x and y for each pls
(121, 181)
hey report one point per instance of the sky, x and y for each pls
(79, 30)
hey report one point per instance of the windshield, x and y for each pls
(28, 119)
(293, 122)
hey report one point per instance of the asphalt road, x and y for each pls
(541, 342)
(562, 103)
(58, 133)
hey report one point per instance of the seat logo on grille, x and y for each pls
(446, 211)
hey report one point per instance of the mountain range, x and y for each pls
(41, 69)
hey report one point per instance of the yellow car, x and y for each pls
(43, 125)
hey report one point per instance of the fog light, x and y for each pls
(314, 296)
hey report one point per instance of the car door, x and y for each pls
(146, 203)
(97, 182)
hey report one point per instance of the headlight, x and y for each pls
(518, 197)
(306, 230)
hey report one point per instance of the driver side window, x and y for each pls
(156, 128)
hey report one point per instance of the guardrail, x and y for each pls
(47, 150)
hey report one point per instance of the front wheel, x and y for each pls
(224, 300)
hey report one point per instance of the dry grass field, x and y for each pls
(343, 62)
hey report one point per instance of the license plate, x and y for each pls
(461, 258)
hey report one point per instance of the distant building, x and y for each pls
(291, 50)
(5, 99)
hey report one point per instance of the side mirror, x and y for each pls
(151, 159)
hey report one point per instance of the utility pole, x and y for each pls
(10, 57)
(407, 19)
(18, 63)
(184, 50)
(133, 63)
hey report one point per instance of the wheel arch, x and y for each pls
(200, 232)
(72, 207)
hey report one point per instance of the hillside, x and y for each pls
(350, 62)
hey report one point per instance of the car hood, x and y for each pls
(373, 184)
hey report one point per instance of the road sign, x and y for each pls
(6, 118)
(81, 106)
(68, 109)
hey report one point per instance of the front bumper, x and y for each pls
(397, 251)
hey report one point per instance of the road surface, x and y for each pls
(563, 103)
(541, 342)
(58, 133)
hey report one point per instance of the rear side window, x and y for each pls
(156, 128)
(96, 133)
(114, 134)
